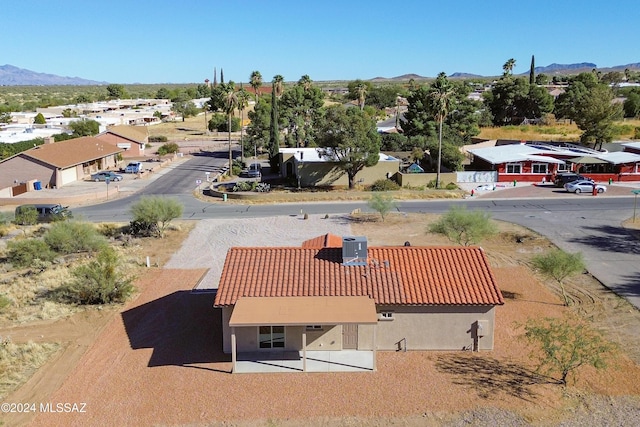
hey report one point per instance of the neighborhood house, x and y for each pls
(337, 294)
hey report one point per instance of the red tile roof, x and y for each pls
(394, 275)
(325, 241)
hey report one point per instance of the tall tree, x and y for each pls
(509, 66)
(350, 138)
(230, 104)
(243, 102)
(274, 128)
(299, 109)
(532, 71)
(221, 76)
(116, 91)
(256, 82)
(258, 131)
(440, 95)
(362, 95)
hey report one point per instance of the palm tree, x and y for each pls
(278, 85)
(305, 81)
(243, 101)
(441, 94)
(230, 104)
(361, 90)
(256, 81)
(509, 66)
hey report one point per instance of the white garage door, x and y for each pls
(68, 175)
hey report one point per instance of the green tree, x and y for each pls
(157, 212)
(596, 115)
(559, 265)
(116, 91)
(300, 108)
(256, 82)
(230, 105)
(39, 119)
(101, 281)
(577, 91)
(183, 106)
(464, 227)
(356, 87)
(349, 138)
(563, 347)
(5, 117)
(532, 71)
(84, 127)
(505, 100)
(243, 103)
(509, 66)
(163, 93)
(26, 215)
(632, 104)
(259, 129)
(382, 203)
(361, 90)
(440, 97)
(274, 128)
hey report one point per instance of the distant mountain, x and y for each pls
(564, 68)
(14, 76)
(464, 76)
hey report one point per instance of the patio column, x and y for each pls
(304, 352)
(233, 349)
(375, 347)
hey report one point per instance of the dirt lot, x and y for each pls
(159, 361)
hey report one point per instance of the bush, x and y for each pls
(23, 253)
(451, 186)
(158, 138)
(4, 303)
(170, 148)
(27, 215)
(110, 230)
(142, 228)
(464, 227)
(385, 185)
(99, 281)
(382, 203)
(156, 212)
(244, 186)
(73, 237)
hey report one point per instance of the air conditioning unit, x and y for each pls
(354, 250)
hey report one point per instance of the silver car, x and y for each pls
(584, 186)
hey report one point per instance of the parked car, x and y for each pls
(134, 167)
(562, 178)
(584, 186)
(47, 212)
(254, 170)
(106, 175)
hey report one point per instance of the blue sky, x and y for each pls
(145, 41)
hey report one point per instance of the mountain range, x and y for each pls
(14, 76)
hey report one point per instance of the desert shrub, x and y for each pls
(73, 237)
(451, 186)
(23, 253)
(169, 148)
(385, 185)
(4, 303)
(263, 187)
(431, 184)
(142, 228)
(158, 138)
(110, 230)
(382, 203)
(636, 132)
(464, 227)
(244, 186)
(155, 214)
(236, 170)
(100, 281)
(28, 215)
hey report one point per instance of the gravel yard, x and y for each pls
(160, 361)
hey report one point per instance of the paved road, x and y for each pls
(591, 225)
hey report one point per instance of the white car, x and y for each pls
(584, 186)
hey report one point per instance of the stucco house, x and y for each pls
(132, 139)
(311, 169)
(336, 294)
(55, 164)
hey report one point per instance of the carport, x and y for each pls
(283, 312)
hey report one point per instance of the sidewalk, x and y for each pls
(81, 193)
(524, 190)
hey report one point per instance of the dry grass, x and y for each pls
(558, 132)
(18, 362)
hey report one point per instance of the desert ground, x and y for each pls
(157, 360)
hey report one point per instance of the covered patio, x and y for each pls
(304, 312)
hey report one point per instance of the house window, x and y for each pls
(539, 168)
(514, 168)
(314, 327)
(562, 168)
(386, 315)
(271, 336)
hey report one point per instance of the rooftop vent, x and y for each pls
(354, 250)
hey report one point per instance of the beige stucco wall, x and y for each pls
(435, 327)
(328, 174)
(422, 179)
(422, 328)
(22, 169)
